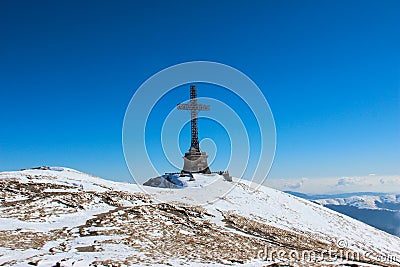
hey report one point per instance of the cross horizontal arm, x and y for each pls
(199, 107)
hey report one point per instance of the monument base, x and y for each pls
(195, 161)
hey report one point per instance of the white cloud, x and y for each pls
(370, 183)
(356, 181)
(390, 180)
(296, 184)
(345, 181)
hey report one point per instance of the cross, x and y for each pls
(194, 108)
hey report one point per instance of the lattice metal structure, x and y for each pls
(194, 108)
(194, 160)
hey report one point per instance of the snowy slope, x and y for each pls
(69, 177)
(288, 212)
(65, 216)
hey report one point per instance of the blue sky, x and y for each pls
(330, 71)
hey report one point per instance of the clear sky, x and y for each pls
(330, 71)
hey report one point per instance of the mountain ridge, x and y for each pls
(77, 218)
(380, 210)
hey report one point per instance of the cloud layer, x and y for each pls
(371, 183)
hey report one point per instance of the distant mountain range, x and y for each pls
(380, 210)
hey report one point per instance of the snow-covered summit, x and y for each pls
(66, 216)
(69, 177)
(195, 180)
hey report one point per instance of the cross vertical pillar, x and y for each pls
(193, 115)
(194, 160)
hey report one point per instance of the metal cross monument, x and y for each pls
(195, 160)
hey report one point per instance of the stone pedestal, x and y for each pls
(195, 161)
